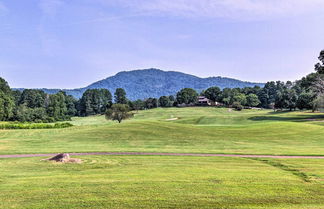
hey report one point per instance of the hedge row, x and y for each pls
(34, 125)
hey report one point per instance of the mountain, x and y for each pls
(140, 84)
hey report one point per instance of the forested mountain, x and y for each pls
(140, 84)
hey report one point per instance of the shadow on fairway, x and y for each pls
(295, 118)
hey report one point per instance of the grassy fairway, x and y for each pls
(160, 182)
(169, 181)
(199, 130)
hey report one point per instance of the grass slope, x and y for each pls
(197, 130)
(169, 181)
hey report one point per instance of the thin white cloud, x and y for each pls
(222, 8)
(50, 7)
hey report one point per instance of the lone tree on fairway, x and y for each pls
(118, 112)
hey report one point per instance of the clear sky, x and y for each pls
(72, 43)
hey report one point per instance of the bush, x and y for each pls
(34, 125)
(237, 106)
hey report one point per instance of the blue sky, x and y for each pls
(72, 43)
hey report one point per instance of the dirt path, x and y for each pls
(163, 154)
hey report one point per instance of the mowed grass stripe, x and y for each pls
(153, 182)
(283, 134)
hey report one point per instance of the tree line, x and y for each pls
(33, 105)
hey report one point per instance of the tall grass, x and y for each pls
(34, 125)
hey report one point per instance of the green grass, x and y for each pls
(169, 181)
(197, 130)
(34, 125)
(160, 182)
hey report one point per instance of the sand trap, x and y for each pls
(172, 119)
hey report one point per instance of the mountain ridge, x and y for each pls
(144, 83)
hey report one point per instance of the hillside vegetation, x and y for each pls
(141, 84)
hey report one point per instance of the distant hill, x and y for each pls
(141, 84)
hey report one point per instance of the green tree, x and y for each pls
(305, 100)
(94, 101)
(105, 100)
(27, 114)
(57, 108)
(172, 100)
(268, 94)
(164, 101)
(138, 105)
(240, 98)
(120, 96)
(6, 101)
(213, 93)
(33, 98)
(187, 96)
(118, 112)
(71, 104)
(238, 106)
(226, 96)
(252, 100)
(319, 67)
(291, 99)
(151, 103)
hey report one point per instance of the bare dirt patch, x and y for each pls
(64, 158)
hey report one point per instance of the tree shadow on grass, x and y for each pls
(295, 118)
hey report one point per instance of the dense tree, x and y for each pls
(57, 109)
(240, 98)
(6, 101)
(27, 114)
(319, 67)
(292, 98)
(187, 96)
(151, 103)
(138, 105)
(120, 96)
(6, 106)
(164, 101)
(286, 97)
(95, 101)
(252, 100)
(71, 104)
(268, 94)
(238, 106)
(105, 100)
(226, 96)
(118, 112)
(305, 100)
(172, 100)
(213, 94)
(16, 94)
(33, 98)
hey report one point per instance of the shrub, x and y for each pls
(34, 125)
(237, 106)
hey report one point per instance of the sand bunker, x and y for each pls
(172, 119)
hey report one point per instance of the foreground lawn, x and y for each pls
(161, 182)
(196, 130)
